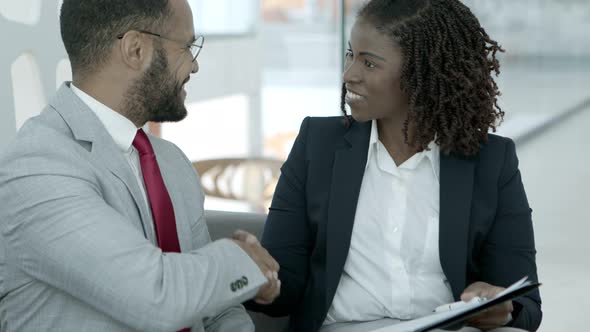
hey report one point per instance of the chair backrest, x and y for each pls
(251, 180)
(221, 224)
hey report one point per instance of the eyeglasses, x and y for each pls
(195, 47)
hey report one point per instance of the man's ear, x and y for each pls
(135, 49)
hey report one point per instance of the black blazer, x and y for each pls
(486, 232)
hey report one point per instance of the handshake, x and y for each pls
(269, 267)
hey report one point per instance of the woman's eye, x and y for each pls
(348, 53)
(369, 64)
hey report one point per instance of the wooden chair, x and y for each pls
(251, 180)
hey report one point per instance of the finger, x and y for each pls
(475, 287)
(473, 290)
(502, 308)
(262, 302)
(465, 297)
(491, 291)
(251, 239)
(274, 264)
(264, 289)
(245, 236)
(497, 312)
(269, 261)
(239, 235)
(487, 320)
(268, 293)
(275, 290)
(468, 296)
(270, 276)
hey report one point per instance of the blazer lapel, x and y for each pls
(456, 187)
(87, 127)
(102, 153)
(347, 176)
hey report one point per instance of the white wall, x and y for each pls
(33, 63)
(28, 61)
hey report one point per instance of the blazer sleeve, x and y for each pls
(286, 233)
(59, 231)
(509, 251)
(234, 318)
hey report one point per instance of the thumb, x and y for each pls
(468, 295)
(472, 291)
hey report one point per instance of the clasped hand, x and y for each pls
(268, 266)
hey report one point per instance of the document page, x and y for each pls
(458, 315)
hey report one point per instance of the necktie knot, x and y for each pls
(142, 143)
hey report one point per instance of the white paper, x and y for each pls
(420, 323)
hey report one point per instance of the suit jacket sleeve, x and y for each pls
(286, 233)
(234, 318)
(60, 231)
(509, 251)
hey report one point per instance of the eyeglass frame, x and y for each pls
(193, 44)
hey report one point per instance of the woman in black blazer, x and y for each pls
(421, 71)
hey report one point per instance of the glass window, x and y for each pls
(225, 17)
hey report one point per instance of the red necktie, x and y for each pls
(160, 202)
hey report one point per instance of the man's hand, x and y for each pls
(494, 317)
(269, 267)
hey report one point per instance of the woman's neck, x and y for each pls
(391, 135)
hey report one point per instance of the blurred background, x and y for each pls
(266, 64)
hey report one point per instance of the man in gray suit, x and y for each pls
(101, 225)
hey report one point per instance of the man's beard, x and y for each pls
(155, 96)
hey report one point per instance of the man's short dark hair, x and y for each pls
(89, 28)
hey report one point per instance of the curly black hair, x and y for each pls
(448, 63)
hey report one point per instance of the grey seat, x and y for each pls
(222, 224)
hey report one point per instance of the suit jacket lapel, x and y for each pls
(347, 176)
(456, 187)
(102, 153)
(87, 127)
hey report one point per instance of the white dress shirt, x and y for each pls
(123, 132)
(393, 268)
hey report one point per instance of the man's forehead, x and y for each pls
(181, 20)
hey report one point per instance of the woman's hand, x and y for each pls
(494, 317)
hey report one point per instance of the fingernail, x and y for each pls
(275, 274)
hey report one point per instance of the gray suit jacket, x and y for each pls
(75, 250)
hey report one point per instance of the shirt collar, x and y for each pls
(433, 154)
(121, 129)
(373, 139)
